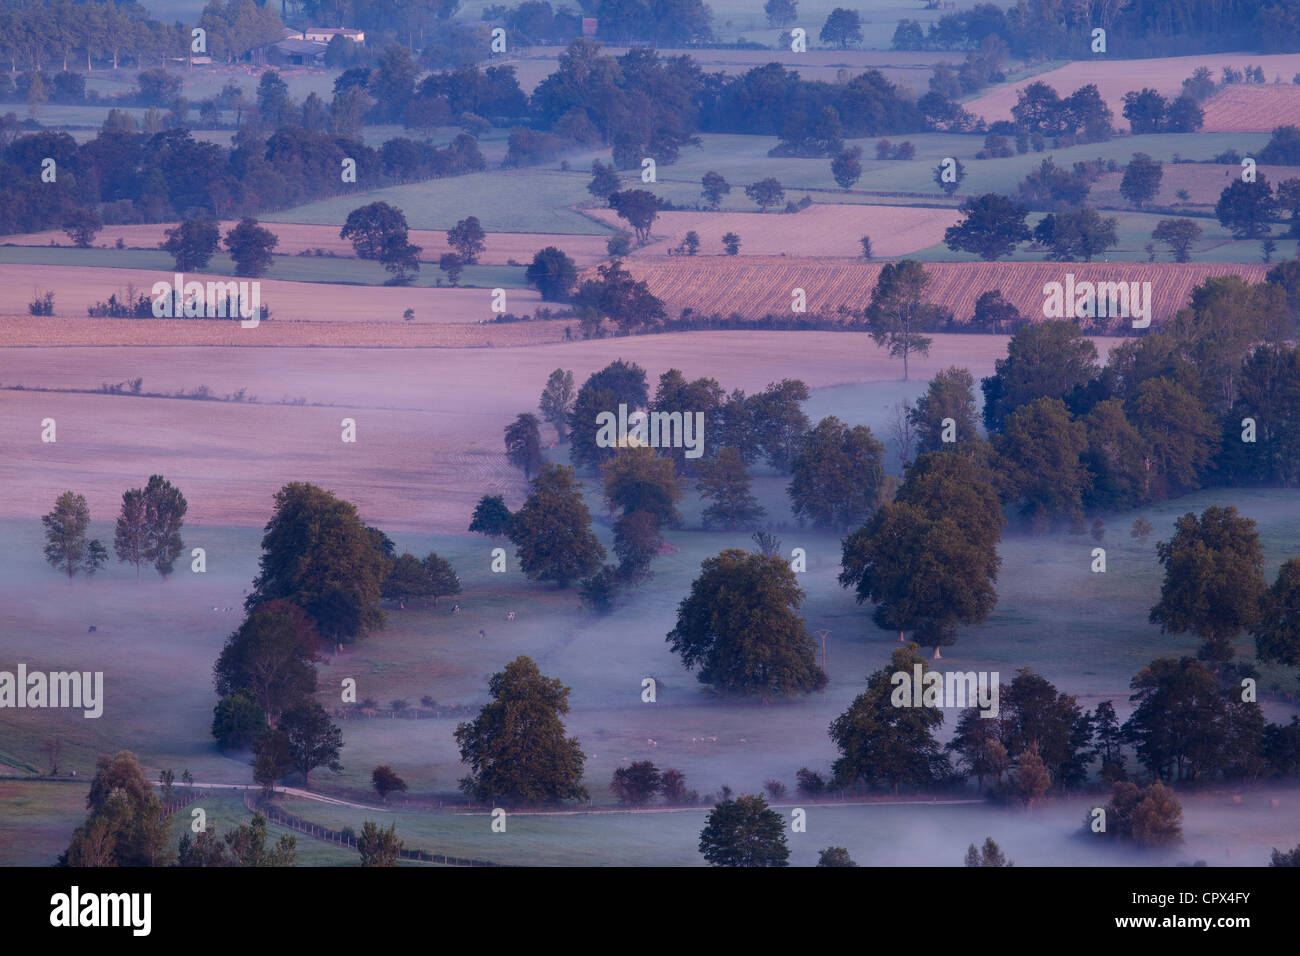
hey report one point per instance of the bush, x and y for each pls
(42, 304)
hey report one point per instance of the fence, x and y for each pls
(338, 837)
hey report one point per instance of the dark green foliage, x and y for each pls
(740, 628)
(552, 530)
(516, 748)
(491, 517)
(744, 832)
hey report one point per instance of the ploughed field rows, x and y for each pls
(819, 230)
(757, 286)
(76, 289)
(1114, 78)
(301, 238)
(1253, 109)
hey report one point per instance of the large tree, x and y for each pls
(1247, 208)
(552, 274)
(516, 747)
(991, 228)
(467, 239)
(250, 246)
(524, 443)
(1214, 579)
(1277, 629)
(945, 417)
(838, 476)
(724, 483)
(778, 422)
(1038, 461)
(66, 544)
(557, 401)
(740, 627)
(317, 554)
(126, 825)
(883, 744)
(842, 28)
(1044, 360)
(164, 514)
(636, 479)
(552, 530)
(271, 658)
(192, 243)
(371, 227)
(898, 312)
(314, 741)
(1141, 179)
(928, 559)
(744, 832)
(639, 207)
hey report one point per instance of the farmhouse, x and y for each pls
(297, 52)
(325, 34)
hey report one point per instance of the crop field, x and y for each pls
(759, 286)
(299, 238)
(1204, 182)
(521, 200)
(1252, 109)
(1114, 78)
(234, 455)
(79, 288)
(819, 230)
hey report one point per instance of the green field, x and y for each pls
(323, 269)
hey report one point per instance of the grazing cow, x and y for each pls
(481, 634)
(510, 616)
(455, 609)
(92, 629)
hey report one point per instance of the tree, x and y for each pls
(314, 741)
(635, 785)
(451, 264)
(897, 312)
(724, 482)
(82, 225)
(604, 180)
(1044, 360)
(131, 538)
(928, 559)
(66, 545)
(765, 192)
(237, 721)
(637, 542)
(1283, 858)
(442, 576)
(250, 246)
(317, 554)
(1214, 579)
(731, 242)
(846, 167)
(949, 397)
(164, 514)
(780, 13)
(691, 242)
(639, 207)
(400, 258)
(1038, 461)
(1247, 208)
(950, 186)
(995, 314)
(557, 401)
(491, 517)
(1077, 235)
(636, 479)
(837, 476)
(1141, 179)
(270, 659)
(516, 748)
(1277, 629)
(834, 856)
(552, 530)
(1187, 725)
(842, 27)
(552, 274)
(1178, 235)
(866, 247)
(406, 580)
(524, 443)
(467, 239)
(377, 846)
(385, 781)
(1141, 529)
(192, 243)
(370, 228)
(1030, 778)
(881, 744)
(989, 855)
(779, 421)
(992, 227)
(126, 825)
(616, 295)
(744, 832)
(739, 626)
(714, 188)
